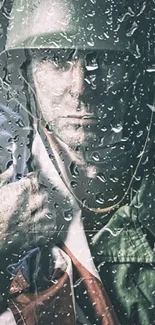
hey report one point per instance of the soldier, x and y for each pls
(87, 200)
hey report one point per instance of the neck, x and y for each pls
(78, 158)
(62, 149)
(74, 155)
(90, 178)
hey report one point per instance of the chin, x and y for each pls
(73, 137)
(78, 140)
(72, 141)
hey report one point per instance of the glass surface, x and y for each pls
(77, 163)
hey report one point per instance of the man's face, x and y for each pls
(83, 95)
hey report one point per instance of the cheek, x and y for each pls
(52, 82)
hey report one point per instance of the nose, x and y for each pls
(77, 79)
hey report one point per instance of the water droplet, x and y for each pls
(19, 176)
(87, 80)
(100, 265)
(106, 35)
(91, 67)
(132, 29)
(114, 179)
(100, 252)
(137, 178)
(91, 43)
(16, 138)
(151, 69)
(114, 271)
(100, 37)
(117, 28)
(20, 123)
(9, 164)
(78, 282)
(9, 140)
(20, 8)
(140, 133)
(83, 201)
(96, 156)
(124, 16)
(113, 198)
(99, 198)
(142, 9)
(68, 214)
(110, 108)
(101, 177)
(74, 170)
(103, 128)
(56, 205)
(90, 26)
(73, 184)
(9, 242)
(11, 26)
(117, 129)
(109, 21)
(136, 122)
(91, 13)
(136, 52)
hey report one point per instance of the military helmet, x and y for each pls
(84, 24)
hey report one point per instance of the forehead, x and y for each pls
(73, 53)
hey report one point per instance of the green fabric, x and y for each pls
(123, 239)
(125, 257)
(131, 288)
(126, 264)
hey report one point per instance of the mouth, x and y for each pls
(81, 120)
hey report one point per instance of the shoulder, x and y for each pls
(10, 121)
(14, 139)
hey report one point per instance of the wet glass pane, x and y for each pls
(77, 163)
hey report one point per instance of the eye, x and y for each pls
(62, 61)
(91, 61)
